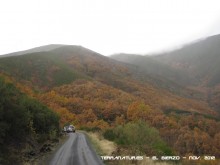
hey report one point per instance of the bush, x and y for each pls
(22, 117)
(109, 134)
(44, 120)
(139, 136)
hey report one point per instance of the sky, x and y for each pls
(107, 26)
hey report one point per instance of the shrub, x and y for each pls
(109, 134)
(22, 117)
(139, 136)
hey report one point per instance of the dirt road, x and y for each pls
(76, 151)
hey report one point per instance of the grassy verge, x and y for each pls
(101, 145)
(108, 148)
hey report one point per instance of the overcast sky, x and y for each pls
(106, 26)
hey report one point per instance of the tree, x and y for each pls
(139, 136)
(138, 111)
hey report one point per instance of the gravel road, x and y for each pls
(76, 151)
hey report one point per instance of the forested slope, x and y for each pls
(23, 122)
(94, 92)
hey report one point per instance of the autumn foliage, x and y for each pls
(94, 92)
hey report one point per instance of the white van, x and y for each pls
(69, 128)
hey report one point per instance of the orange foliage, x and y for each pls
(92, 104)
(137, 111)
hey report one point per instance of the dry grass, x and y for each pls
(106, 147)
(102, 146)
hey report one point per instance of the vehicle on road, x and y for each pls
(69, 128)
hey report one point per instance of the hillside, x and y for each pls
(153, 67)
(159, 74)
(99, 93)
(200, 59)
(25, 124)
(63, 65)
(194, 67)
(185, 66)
(43, 71)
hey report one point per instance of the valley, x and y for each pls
(175, 96)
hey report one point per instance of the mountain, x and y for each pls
(34, 50)
(194, 66)
(153, 67)
(61, 65)
(54, 65)
(95, 92)
(200, 60)
(46, 70)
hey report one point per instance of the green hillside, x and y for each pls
(23, 121)
(44, 70)
(47, 69)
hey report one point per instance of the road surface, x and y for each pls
(76, 151)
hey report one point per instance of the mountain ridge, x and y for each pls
(194, 66)
(33, 50)
(63, 65)
(95, 92)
